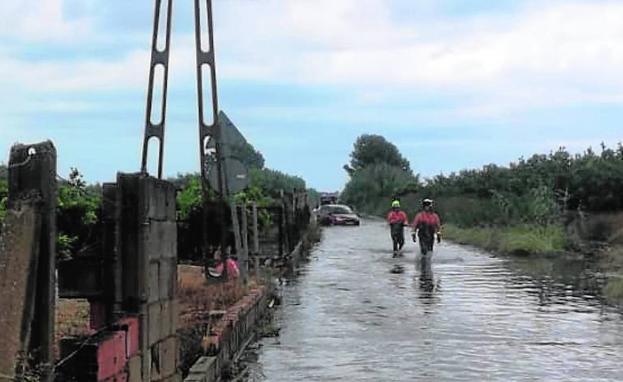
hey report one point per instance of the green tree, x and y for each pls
(378, 172)
(77, 216)
(248, 155)
(189, 196)
(372, 149)
(4, 172)
(372, 187)
(272, 181)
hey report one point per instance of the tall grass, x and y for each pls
(521, 239)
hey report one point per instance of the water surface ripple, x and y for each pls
(462, 316)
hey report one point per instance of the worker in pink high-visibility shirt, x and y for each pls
(397, 219)
(426, 225)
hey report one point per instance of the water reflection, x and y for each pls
(494, 319)
(428, 287)
(558, 280)
(427, 284)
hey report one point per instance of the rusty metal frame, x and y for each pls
(158, 57)
(208, 131)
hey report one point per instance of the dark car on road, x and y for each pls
(336, 214)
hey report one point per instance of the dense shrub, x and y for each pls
(523, 206)
(271, 182)
(77, 216)
(586, 181)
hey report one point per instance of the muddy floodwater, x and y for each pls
(464, 315)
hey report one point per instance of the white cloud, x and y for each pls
(545, 55)
(41, 21)
(550, 54)
(80, 75)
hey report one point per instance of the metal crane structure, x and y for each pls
(210, 144)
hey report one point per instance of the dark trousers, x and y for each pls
(398, 236)
(426, 236)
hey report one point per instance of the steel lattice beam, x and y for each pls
(159, 58)
(207, 131)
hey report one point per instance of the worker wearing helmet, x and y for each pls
(425, 226)
(397, 219)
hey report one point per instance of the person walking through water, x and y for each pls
(397, 219)
(425, 225)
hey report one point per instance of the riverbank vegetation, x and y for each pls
(547, 203)
(519, 240)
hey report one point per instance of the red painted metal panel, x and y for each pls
(97, 315)
(111, 355)
(132, 326)
(121, 377)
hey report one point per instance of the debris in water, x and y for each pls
(397, 269)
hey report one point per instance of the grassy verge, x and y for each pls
(519, 240)
(612, 264)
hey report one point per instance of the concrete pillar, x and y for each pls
(148, 251)
(244, 255)
(255, 229)
(32, 171)
(113, 294)
(19, 255)
(236, 227)
(285, 221)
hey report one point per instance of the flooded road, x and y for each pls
(462, 316)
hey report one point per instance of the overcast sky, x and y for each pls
(454, 84)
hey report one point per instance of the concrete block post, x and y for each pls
(285, 221)
(19, 255)
(244, 255)
(280, 225)
(236, 228)
(148, 253)
(294, 202)
(255, 229)
(256, 241)
(32, 171)
(114, 270)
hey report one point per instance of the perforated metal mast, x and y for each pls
(208, 128)
(154, 129)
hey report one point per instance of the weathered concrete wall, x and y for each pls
(19, 250)
(139, 343)
(229, 335)
(32, 176)
(148, 251)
